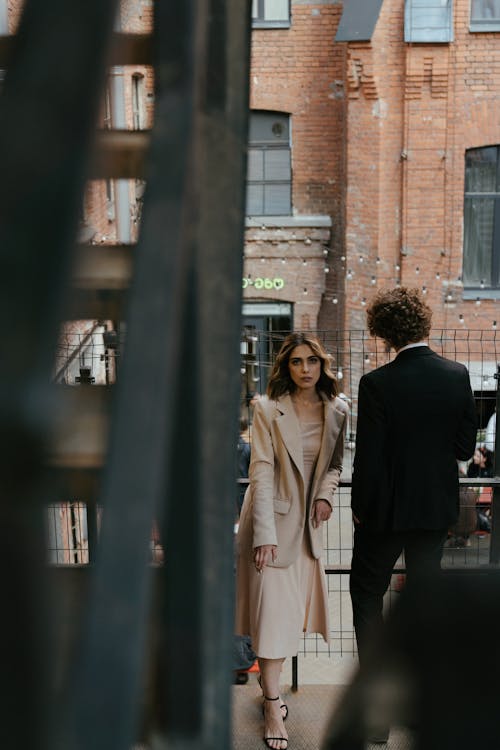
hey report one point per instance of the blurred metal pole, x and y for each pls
(47, 116)
(220, 174)
(199, 600)
(145, 422)
(174, 430)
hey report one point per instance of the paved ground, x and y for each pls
(310, 709)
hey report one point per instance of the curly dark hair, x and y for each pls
(399, 316)
(280, 381)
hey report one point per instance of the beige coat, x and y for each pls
(274, 510)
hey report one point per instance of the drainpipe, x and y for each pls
(118, 121)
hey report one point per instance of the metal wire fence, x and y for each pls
(91, 355)
(352, 354)
(355, 352)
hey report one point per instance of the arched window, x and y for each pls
(481, 261)
(269, 175)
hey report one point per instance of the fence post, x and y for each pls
(495, 502)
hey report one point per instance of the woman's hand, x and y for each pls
(321, 512)
(263, 555)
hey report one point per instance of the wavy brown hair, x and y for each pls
(399, 316)
(280, 381)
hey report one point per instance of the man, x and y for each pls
(416, 418)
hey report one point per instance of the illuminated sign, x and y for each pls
(264, 283)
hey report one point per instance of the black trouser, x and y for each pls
(373, 559)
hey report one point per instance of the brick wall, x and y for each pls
(300, 71)
(413, 110)
(379, 134)
(14, 9)
(136, 16)
(287, 264)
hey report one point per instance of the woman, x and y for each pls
(297, 449)
(481, 464)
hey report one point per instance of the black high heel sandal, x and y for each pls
(283, 706)
(267, 740)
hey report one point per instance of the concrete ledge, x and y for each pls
(288, 221)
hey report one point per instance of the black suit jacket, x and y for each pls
(416, 417)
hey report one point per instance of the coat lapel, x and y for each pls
(289, 429)
(331, 428)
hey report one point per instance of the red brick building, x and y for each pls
(422, 176)
(374, 153)
(393, 117)
(297, 83)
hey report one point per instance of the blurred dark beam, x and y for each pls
(120, 154)
(175, 425)
(101, 277)
(125, 49)
(55, 73)
(145, 423)
(103, 266)
(131, 49)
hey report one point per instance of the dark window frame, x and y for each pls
(483, 24)
(429, 34)
(485, 288)
(264, 146)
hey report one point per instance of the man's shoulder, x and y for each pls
(379, 373)
(450, 365)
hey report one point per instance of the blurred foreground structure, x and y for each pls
(372, 160)
(79, 639)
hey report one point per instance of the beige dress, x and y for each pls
(281, 603)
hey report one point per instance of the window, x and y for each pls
(358, 21)
(429, 21)
(269, 174)
(271, 12)
(485, 15)
(481, 262)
